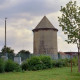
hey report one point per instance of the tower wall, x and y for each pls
(45, 42)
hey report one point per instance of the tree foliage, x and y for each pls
(70, 21)
(9, 51)
(23, 54)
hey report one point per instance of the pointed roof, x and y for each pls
(45, 24)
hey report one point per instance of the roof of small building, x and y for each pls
(45, 24)
(69, 53)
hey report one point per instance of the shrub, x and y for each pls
(53, 63)
(38, 63)
(64, 62)
(34, 63)
(59, 63)
(11, 66)
(2, 65)
(17, 67)
(75, 61)
(67, 62)
(24, 65)
(47, 61)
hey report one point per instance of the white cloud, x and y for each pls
(64, 46)
(9, 3)
(26, 18)
(18, 35)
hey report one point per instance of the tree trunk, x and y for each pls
(78, 62)
(79, 57)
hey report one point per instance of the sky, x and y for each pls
(23, 16)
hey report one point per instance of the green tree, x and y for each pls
(9, 51)
(70, 23)
(23, 54)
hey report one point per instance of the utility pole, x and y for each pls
(5, 37)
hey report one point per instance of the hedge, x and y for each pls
(2, 65)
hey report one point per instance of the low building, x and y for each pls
(68, 55)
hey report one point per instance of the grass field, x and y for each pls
(50, 74)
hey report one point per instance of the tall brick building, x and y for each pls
(45, 38)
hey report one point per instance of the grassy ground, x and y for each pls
(50, 74)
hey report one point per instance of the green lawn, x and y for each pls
(50, 74)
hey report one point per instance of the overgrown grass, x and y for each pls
(48, 74)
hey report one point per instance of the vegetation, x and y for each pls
(24, 65)
(2, 65)
(45, 62)
(23, 54)
(49, 74)
(9, 51)
(65, 62)
(11, 66)
(70, 23)
(35, 63)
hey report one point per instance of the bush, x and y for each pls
(2, 65)
(17, 67)
(34, 63)
(37, 63)
(75, 61)
(64, 62)
(59, 63)
(24, 65)
(11, 66)
(47, 61)
(67, 62)
(53, 63)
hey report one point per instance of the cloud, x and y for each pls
(65, 47)
(32, 7)
(19, 35)
(5, 4)
(20, 39)
(19, 32)
(23, 16)
(2, 1)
